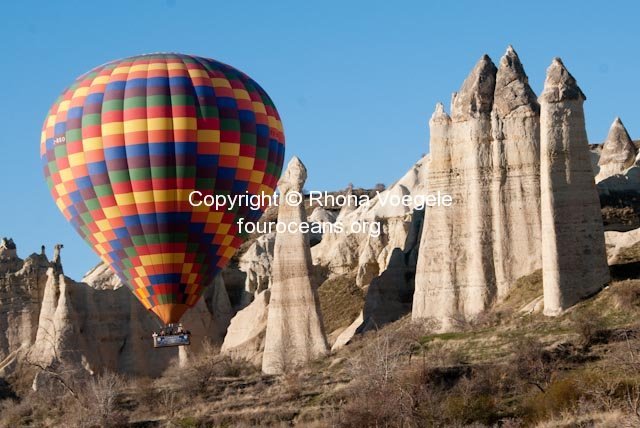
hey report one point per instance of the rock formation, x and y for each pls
(455, 275)
(368, 255)
(618, 242)
(516, 175)
(256, 263)
(22, 285)
(619, 163)
(294, 333)
(101, 278)
(488, 156)
(246, 332)
(574, 261)
(48, 319)
(389, 295)
(618, 152)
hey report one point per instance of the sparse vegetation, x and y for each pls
(507, 368)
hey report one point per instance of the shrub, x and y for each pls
(588, 324)
(14, 413)
(627, 295)
(561, 395)
(204, 368)
(532, 364)
(99, 399)
(458, 409)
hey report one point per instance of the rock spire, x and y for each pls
(618, 152)
(295, 333)
(574, 261)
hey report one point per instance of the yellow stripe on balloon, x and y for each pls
(123, 199)
(124, 69)
(159, 123)
(198, 73)
(176, 66)
(188, 123)
(275, 123)
(135, 125)
(183, 194)
(93, 143)
(159, 258)
(164, 195)
(142, 292)
(187, 267)
(111, 212)
(230, 149)
(112, 128)
(76, 159)
(104, 225)
(63, 106)
(218, 82)
(258, 107)
(59, 202)
(158, 66)
(138, 67)
(214, 217)
(66, 175)
(100, 80)
(82, 91)
(100, 249)
(256, 176)
(61, 191)
(151, 259)
(241, 94)
(245, 162)
(208, 136)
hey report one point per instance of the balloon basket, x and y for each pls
(171, 335)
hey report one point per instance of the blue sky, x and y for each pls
(354, 82)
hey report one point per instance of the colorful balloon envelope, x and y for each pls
(125, 145)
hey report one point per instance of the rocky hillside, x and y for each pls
(513, 365)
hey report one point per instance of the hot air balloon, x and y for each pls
(127, 142)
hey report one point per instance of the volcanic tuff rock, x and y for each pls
(22, 285)
(295, 333)
(369, 255)
(619, 162)
(101, 278)
(454, 270)
(256, 263)
(618, 151)
(49, 319)
(515, 193)
(486, 156)
(574, 263)
(257, 260)
(618, 242)
(246, 332)
(109, 329)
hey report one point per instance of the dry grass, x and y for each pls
(341, 300)
(507, 368)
